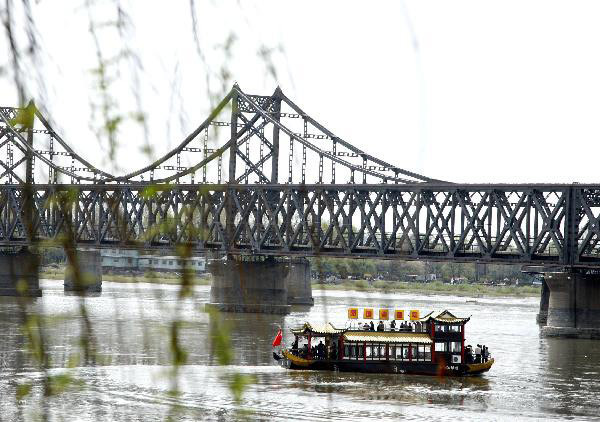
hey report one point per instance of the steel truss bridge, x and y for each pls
(226, 188)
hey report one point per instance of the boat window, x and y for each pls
(420, 352)
(441, 328)
(455, 328)
(401, 352)
(440, 347)
(423, 353)
(382, 352)
(413, 353)
(360, 350)
(455, 346)
(398, 352)
(368, 352)
(350, 351)
(428, 353)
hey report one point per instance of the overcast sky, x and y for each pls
(465, 91)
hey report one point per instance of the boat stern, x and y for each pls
(478, 368)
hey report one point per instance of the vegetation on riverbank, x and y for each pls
(396, 269)
(357, 285)
(150, 277)
(431, 288)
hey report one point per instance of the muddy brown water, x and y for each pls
(533, 378)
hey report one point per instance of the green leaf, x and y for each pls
(59, 383)
(238, 384)
(23, 391)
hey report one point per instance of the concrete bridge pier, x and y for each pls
(89, 263)
(542, 317)
(19, 274)
(573, 306)
(255, 285)
(299, 289)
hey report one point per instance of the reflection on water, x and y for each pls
(532, 378)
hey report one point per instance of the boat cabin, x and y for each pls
(438, 336)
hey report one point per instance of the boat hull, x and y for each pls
(292, 361)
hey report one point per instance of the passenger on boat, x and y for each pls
(372, 326)
(366, 327)
(486, 354)
(393, 325)
(380, 326)
(333, 354)
(321, 350)
(469, 354)
(304, 352)
(478, 354)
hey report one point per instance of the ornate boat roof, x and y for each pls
(327, 328)
(387, 337)
(444, 317)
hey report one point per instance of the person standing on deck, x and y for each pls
(321, 350)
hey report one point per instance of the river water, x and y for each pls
(533, 378)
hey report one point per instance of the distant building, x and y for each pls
(458, 280)
(419, 277)
(131, 260)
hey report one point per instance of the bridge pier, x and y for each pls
(19, 274)
(573, 306)
(542, 316)
(89, 263)
(299, 289)
(253, 286)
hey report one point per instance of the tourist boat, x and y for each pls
(431, 345)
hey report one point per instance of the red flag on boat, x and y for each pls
(278, 338)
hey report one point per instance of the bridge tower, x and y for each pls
(19, 270)
(258, 283)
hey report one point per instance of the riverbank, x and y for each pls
(155, 278)
(437, 288)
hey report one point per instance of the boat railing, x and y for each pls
(409, 327)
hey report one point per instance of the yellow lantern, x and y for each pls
(352, 313)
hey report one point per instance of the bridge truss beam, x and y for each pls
(544, 224)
